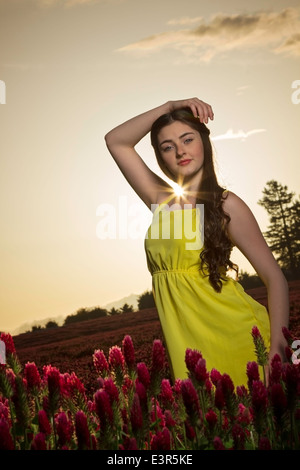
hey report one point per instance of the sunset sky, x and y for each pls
(74, 69)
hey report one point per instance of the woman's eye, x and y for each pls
(188, 140)
(167, 149)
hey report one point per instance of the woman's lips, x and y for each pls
(184, 162)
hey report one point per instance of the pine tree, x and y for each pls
(127, 308)
(283, 232)
(295, 228)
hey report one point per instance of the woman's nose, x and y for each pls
(180, 151)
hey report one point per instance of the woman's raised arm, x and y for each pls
(121, 142)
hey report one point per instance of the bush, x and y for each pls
(86, 314)
(249, 281)
(51, 324)
(146, 300)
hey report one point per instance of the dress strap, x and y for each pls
(168, 199)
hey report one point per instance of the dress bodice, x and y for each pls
(174, 239)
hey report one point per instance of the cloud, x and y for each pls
(275, 31)
(240, 134)
(64, 3)
(185, 20)
(241, 89)
(291, 46)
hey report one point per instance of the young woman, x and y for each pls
(199, 306)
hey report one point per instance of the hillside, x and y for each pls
(70, 348)
(131, 299)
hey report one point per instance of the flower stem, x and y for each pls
(294, 432)
(13, 422)
(202, 401)
(54, 431)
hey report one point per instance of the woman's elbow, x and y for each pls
(277, 278)
(108, 139)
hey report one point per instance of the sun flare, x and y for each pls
(178, 190)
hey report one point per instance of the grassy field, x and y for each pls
(70, 348)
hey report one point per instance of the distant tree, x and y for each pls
(97, 312)
(114, 311)
(74, 317)
(146, 300)
(127, 308)
(84, 314)
(283, 232)
(249, 281)
(295, 228)
(36, 328)
(51, 324)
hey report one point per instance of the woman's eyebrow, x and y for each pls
(170, 140)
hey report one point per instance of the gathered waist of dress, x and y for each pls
(177, 271)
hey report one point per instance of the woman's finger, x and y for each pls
(205, 111)
(200, 109)
(204, 114)
(211, 113)
(194, 110)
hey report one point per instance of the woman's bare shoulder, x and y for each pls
(232, 202)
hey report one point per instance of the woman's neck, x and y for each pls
(190, 192)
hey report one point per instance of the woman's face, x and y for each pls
(182, 152)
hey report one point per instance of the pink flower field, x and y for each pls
(68, 390)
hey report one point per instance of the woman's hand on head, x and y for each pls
(201, 110)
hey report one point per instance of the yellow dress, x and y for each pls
(192, 314)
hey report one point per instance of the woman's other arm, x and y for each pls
(246, 236)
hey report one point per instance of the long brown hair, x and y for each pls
(215, 256)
